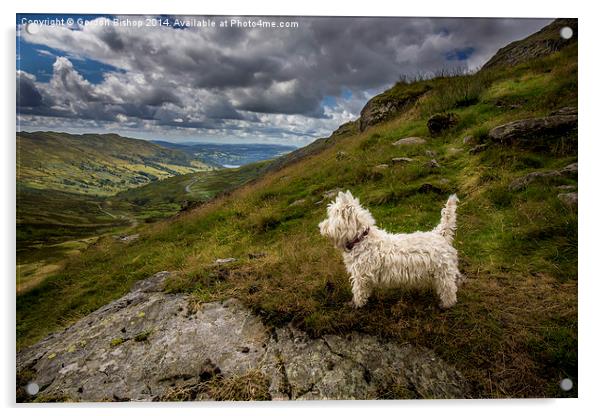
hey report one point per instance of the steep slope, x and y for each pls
(513, 332)
(95, 164)
(542, 43)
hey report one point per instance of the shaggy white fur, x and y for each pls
(374, 257)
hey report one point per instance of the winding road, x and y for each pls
(187, 188)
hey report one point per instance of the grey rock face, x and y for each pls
(143, 344)
(354, 367)
(523, 181)
(534, 129)
(409, 140)
(148, 344)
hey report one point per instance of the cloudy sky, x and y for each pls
(172, 78)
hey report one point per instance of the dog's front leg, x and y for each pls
(360, 288)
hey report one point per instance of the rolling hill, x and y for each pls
(95, 164)
(504, 139)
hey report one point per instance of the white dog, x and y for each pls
(374, 257)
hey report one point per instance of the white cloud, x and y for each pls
(244, 83)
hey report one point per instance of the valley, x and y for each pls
(72, 190)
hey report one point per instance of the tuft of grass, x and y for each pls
(143, 336)
(455, 91)
(117, 341)
(250, 386)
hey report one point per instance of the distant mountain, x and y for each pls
(229, 155)
(95, 164)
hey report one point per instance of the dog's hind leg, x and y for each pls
(446, 288)
(361, 290)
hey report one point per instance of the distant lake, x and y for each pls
(230, 155)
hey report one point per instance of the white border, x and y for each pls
(590, 152)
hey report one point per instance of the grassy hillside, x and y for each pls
(167, 197)
(95, 164)
(514, 329)
(54, 225)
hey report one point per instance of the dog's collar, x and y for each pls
(350, 244)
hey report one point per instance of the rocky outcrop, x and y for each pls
(522, 182)
(525, 131)
(150, 345)
(375, 112)
(542, 43)
(390, 103)
(354, 367)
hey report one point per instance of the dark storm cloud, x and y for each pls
(113, 39)
(28, 94)
(214, 78)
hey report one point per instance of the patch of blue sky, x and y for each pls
(459, 54)
(38, 60)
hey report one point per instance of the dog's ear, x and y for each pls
(349, 195)
(341, 196)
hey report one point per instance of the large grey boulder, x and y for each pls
(535, 131)
(143, 345)
(355, 367)
(390, 103)
(150, 345)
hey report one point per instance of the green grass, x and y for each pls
(94, 164)
(167, 197)
(513, 332)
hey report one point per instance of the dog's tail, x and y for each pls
(447, 226)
